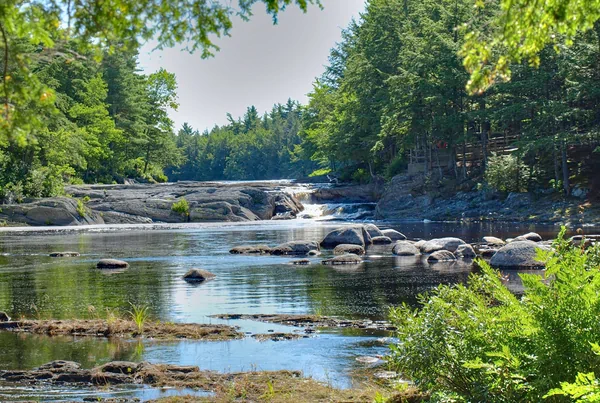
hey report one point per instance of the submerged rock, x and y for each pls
(198, 276)
(347, 248)
(394, 235)
(466, 251)
(518, 255)
(381, 240)
(295, 248)
(450, 244)
(301, 262)
(354, 235)
(251, 250)
(64, 254)
(343, 259)
(441, 256)
(405, 248)
(112, 264)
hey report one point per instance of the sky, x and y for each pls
(260, 64)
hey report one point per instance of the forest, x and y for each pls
(395, 91)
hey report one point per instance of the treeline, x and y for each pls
(396, 83)
(110, 123)
(251, 147)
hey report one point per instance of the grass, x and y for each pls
(81, 208)
(139, 315)
(181, 207)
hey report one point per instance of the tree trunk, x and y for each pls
(464, 153)
(565, 169)
(147, 158)
(556, 163)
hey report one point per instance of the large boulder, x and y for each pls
(493, 241)
(198, 276)
(381, 240)
(51, 211)
(373, 230)
(345, 249)
(394, 235)
(295, 248)
(441, 256)
(112, 264)
(450, 244)
(530, 236)
(251, 250)
(344, 259)
(4, 317)
(405, 248)
(517, 255)
(354, 235)
(466, 251)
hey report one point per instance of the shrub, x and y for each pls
(81, 208)
(479, 342)
(506, 173)
(182, 207)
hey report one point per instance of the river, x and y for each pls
(37, 286)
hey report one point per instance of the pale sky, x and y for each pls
(260, 64)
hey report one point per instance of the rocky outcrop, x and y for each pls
(405, 248)
(531, 236)
(50, 211)
(198, 276)
(153, 203)
(354, 235)
(370, 193)
(518, 255)
(346, 248)
(450, 244)
(112, 264)
(295, 248)
(4, 317)
(373, 230)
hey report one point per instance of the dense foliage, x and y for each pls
(480, 342)
(396, 83)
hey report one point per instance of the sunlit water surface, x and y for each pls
(37, 286)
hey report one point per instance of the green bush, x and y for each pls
(506, 173)
(81, 208)
(480, 343)
(182, 207)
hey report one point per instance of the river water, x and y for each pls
(34, 285)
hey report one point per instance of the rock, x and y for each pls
(367, 360)
(373, 230)
(441, 256)
(112, 264)
(343, 259)
(346, 248)
(50, 211)
(251, 250)
(301, 262)
(405, 248)
(348, 194)
(385, 375)
(517, 255)
(198, 276)
(59, 366)
(381, 240)
(64, 254)
(284, 216)
(394, 235)
(450, 244)
(295, 248)
(4, 317)
(518, 200)
(466, 251)
(419, 243)
(354, 235)
(531, 236)
(493, 241)
(314, 253)
(580, 192)
(119, 367)
(487, 253)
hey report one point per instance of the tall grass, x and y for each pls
(139, 314)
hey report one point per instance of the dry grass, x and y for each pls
(122, 328)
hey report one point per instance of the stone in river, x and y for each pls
(198, 276)
(4, 317)
(441, 256)
(394, 235)
(64, 254)
(344, 249)
(112, 264)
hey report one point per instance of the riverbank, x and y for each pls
(274, 386)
